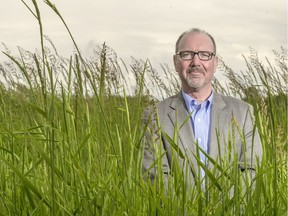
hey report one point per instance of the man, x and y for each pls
(192, 132)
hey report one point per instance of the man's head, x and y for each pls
(195, 60)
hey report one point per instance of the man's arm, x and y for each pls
(155, 164)
(251, 149)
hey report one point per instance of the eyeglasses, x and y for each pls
(189, 55)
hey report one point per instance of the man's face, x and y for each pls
(195, 74)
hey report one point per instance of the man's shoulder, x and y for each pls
(168, 100)
(230, 100)
(154, 108)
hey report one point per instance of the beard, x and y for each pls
(195, 77)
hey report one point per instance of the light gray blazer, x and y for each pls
(229, 117)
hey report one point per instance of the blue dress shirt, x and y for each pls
(200, 119)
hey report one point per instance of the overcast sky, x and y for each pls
(148, 28)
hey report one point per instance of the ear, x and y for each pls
(175, 61)
(216, 59)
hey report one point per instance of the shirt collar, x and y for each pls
(189, 100)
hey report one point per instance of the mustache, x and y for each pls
(196, 69)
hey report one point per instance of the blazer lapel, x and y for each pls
(218, 121)
(180, 119)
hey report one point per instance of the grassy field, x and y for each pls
(71, 136)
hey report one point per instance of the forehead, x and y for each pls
(196, 41)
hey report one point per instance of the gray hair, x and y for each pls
(191, 31)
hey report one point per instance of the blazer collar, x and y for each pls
(178, 101)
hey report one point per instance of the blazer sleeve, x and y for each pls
(155, 166)
(251, 151)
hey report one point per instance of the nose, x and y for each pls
(195, 61)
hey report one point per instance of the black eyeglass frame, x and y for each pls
(211, 54)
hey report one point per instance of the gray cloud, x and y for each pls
(148, 29)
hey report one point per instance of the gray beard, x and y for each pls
(194, 84)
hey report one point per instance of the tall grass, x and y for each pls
(71, 136)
